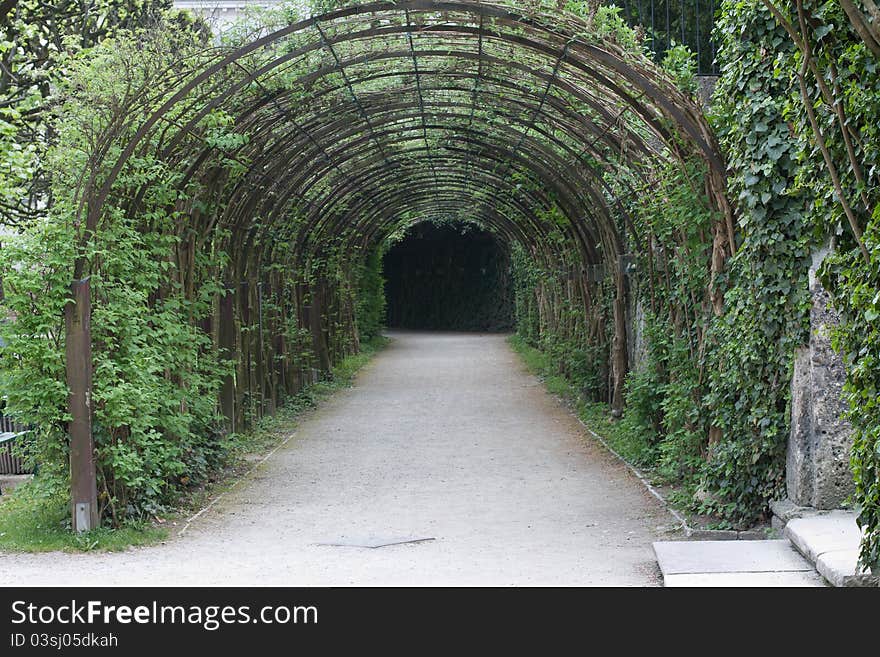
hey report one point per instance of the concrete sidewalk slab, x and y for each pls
(733, 563)
(840, 568)
(814, 536)
(680, 557)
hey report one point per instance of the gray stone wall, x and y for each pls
(705, 88)
(817, 462)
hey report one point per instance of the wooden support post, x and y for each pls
(319, 341)
(619, 358)
(247, 351)
(78, 353)
(226, 340)
(261, 351)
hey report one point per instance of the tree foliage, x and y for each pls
(36, 41)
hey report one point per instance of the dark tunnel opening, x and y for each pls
(450, 278)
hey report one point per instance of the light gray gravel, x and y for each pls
(443, 436)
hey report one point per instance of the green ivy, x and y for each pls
(856, 286)
(750, 357)
(851, 75)
(371, 296)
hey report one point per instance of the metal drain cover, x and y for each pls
(375, 543)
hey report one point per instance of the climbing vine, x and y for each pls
(666, 386)
(835, 106)
(36, 39)
(371, 296)
(750, 358)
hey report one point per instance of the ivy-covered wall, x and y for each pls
(750, 359)
(835, 111)
(804, 147)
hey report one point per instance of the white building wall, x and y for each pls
(220, 13)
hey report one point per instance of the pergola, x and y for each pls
(356, 123)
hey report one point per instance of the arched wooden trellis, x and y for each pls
(372, 116)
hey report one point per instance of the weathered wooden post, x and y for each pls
(78, 352)
(226, 338)
(259, 364)
(619, 358)
(316, 310)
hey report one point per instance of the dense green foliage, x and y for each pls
(155, 420)
(157, 369)
(766, 301)
(835, 107)
(371, 296)
(665, 389)
(448, 277)
(36, 39)
(856, 286)
(549, 316)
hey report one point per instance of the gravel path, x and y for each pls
(443, 437)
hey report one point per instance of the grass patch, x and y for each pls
(35, 516)
(623, 435)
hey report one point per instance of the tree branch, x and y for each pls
(864, 29)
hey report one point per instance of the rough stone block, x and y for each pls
(817, 459)
(786, 510)
(798, 457)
